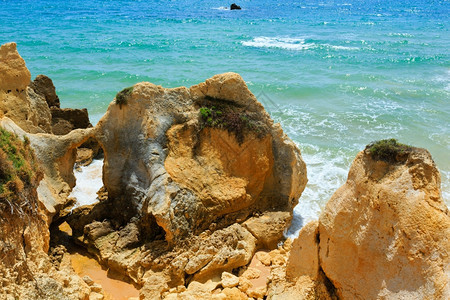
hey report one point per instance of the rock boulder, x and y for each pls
(386, 232)
(17, 101)
(184, 169)
(167, 160)
(43, 86)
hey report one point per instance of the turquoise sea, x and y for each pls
(336, 74)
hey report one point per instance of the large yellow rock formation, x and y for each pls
(199, 184)
(161, 162)
(17, 100)
(386, 232)
(383, 235)
(181, 182)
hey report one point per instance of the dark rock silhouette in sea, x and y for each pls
(234, 6)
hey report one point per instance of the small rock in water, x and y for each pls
(234, 6)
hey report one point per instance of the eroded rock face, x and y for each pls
(26, 271)
(17, 101)
(24, 110)
(181, 182)
(160, 161)
(13, 71)
(43, 86)
(385, 233)
(56, 156)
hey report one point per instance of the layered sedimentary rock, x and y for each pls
(383, 235)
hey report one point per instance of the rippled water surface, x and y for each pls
(336, 74)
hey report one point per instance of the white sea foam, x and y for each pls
(221, 8)
(289, 43)
(400, 34)
(326, 173)
(89, 181)
(444, 79)
(341, 47)
(279, 42)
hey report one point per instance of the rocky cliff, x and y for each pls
(199, 185)
(383, 235)
(36, 176)
(28, 108)
(26, 269)
(196, 179)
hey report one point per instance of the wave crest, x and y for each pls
(287, 43)
(279, 42)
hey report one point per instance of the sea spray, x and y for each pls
(89, 181)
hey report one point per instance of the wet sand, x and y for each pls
(83, 265)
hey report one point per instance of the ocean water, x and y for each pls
(336, 74)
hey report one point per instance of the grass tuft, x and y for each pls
(389, 150)
(122, 96)
(18, 164)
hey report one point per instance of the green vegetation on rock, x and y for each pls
(122, 96)
(17, 164)
(389, 150)
(233, 119)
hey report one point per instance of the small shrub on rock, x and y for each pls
(389, 150)
(122, 96)
(234, 120)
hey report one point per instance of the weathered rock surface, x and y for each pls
(26, 271)
(13, 71)
(159, 158)
(17, 101)
(177, 184)
(383, 235)
(386, 232)
(56, 156)
(304, 255)
(64, 120)
(43, 86)
(24, 110)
